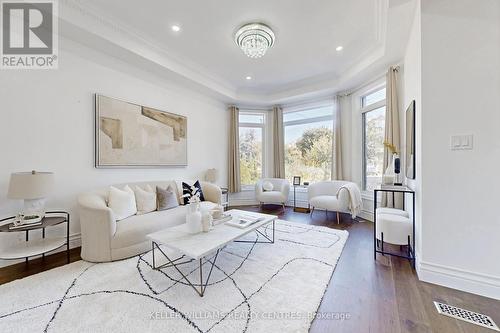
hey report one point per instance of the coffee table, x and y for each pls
(198, 246)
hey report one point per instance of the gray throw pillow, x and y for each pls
(166, 198)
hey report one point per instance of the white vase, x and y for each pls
(193, 219)
(206, 221)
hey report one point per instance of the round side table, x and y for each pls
(36, 246)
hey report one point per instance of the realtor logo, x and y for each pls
(29, 35)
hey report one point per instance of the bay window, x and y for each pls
(252, 137)
(308, 143)
(373, 117)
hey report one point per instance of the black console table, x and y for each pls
(411, 247)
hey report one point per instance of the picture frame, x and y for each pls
(129, 135)
(296, 180)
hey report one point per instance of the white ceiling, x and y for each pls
(372, 32)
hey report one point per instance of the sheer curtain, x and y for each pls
(278, 143)
(234, 181)
(337, 173)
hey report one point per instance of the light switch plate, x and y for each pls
(461, 142)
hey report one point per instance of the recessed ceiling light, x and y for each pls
(176, 28)
(339, 48)
(248, 78)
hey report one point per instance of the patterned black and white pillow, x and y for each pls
(189, 191)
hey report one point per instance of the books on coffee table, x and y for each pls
(25, 225)
(224, 218)
(244, 220)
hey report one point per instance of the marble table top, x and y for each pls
(197, 246)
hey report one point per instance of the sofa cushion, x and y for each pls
(145, 199)
(189, 191)
(207, 205)
(122, 202)
(329, 202)
(267, 186)
(167, 198)
(134, 229)
(272, 196)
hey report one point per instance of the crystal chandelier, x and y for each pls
(254, 39)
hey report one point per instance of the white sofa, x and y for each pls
(279, 193)
(326, 196)
(105, 239)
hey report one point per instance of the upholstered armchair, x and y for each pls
(278, 194)
(326, 196)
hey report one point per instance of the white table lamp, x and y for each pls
(212, 175)
(32, 187)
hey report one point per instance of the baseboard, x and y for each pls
(366, 215)
(247, 198)
(242, 202)
(75, 240)
(475, 283)
(251, 202)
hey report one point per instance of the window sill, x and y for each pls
(367, 195)
(299, 189)
(247, 188)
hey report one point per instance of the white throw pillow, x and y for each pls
(267, 186)
(122, 202)
(145, 200)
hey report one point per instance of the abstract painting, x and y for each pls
(131, 135)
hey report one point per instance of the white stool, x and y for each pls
(392, 211)
(394, 229)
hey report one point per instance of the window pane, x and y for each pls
(308, 151)
(251, 118)
(312, 113)
(374, 97)
(250, 155)
(373, 141)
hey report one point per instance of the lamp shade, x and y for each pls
(30, 185)
(212, 175)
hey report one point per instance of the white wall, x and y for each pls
(460, 94)
(412, 83)
(47, 121)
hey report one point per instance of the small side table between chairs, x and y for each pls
(300, 209)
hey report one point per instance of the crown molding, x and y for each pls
(84, 24)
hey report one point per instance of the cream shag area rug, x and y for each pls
(254, 287)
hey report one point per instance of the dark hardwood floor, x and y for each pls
(21, 270)
(384, 295)
(373, 296)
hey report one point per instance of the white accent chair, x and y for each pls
(278, 195)
(326, 196)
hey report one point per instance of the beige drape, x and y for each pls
(233, 178)
(337, 173)
(278, 143)
(392, 129)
